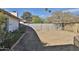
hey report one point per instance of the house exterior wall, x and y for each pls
(12, 24)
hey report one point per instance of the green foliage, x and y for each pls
(27, 16)
(36, 19)
(45, 21)
(2, 18)
(12, 37)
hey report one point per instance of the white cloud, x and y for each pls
(71, 10)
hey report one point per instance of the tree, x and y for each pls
(2, 18)
(36, 19)
(62, 17)
(27, 16)
(2, 22)
(45, 21)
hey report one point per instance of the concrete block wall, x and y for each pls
(44, 27)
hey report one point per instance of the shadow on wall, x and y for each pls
(31, 42)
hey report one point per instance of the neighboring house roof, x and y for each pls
(5, 12)
(63, 18)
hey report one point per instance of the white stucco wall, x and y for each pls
(13, 24)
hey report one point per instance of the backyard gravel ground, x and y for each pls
(46, 41)
(56, 37)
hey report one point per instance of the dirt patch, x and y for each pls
(56, 37)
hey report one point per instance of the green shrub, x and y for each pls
(12, 37)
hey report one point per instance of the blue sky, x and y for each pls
(41, 11)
